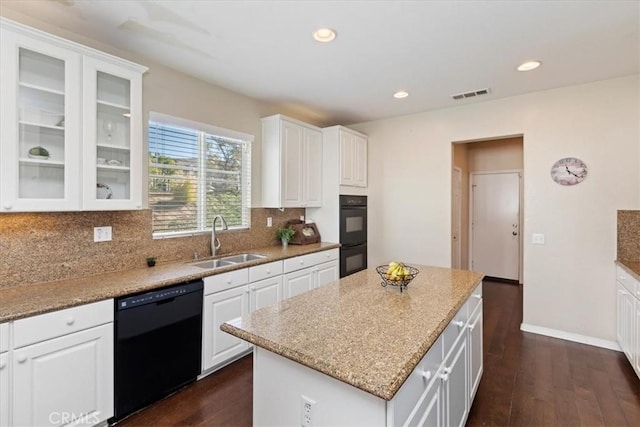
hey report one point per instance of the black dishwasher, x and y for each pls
(158, 344)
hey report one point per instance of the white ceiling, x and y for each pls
(432, 49)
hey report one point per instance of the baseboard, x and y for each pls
(582, 339)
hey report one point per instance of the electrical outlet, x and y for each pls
(306, 411)
(269, 221)
(302, 218)
(102, 234)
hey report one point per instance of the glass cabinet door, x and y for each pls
(112, 143)
(39, 160)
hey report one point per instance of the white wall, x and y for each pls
(569, 281)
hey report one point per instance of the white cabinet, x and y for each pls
(64, 370)
(291, 163)
(441, 388)
(298, 282)
(218, 346)
(353, 158)
(307, 272)
(344, 159)
(265, 287)
(221, 306)
(112, 136)
(40, 107)
(4, 375)
(475, 351)
(628, 316)
(63, 112)
(455, 383)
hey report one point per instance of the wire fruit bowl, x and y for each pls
(398, 281)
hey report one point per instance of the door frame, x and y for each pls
(459, 220)
(520, 172)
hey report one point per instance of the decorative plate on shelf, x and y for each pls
(103, 191)
(38, 153)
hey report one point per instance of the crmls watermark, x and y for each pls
(61, 418)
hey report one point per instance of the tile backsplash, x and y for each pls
(42, 247)
(629, 236)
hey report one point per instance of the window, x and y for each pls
(197, 171)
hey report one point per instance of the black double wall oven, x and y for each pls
(353, 234)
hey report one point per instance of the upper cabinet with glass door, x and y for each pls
(71, 125)
(40, 125)
(112, 143)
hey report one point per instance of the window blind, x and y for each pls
(195, 175)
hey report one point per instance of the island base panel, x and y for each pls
(278, 387)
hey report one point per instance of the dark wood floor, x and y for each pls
(528, 380)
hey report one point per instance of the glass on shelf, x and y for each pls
(113, 184)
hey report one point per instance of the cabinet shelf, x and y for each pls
(41, 88)
(114, 147)
(38, 162)
(39, 125)
(124, 108)
(114, 168)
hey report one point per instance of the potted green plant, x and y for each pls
(285, 234)
(151, 261)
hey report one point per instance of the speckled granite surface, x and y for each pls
(28, 300)
(629, 235)
(358, 332)
(631, 267)
(46, 246)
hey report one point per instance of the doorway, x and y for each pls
(491, 155)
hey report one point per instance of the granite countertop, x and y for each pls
(24, 301)
(631, 267)
(357, 331)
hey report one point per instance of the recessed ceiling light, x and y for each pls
(324, 35)
(529, 65)
(401, 94)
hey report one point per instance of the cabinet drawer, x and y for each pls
(417, 382)
(51, 325)
(455, 328)
(223, 281)
(4, 337)
(297, 263)
(475, 298)
(628, 281)
(264, 271)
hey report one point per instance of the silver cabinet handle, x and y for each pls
(426, 375)
(458, 323)
(268, 271)
(477, 296)
(22, 358)
(2, 365)
(8, 207)
(70, 321)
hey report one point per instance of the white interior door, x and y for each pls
(495, 225)
(456, 219)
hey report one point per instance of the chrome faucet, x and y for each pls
(215, 242)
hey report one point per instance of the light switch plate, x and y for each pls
(102, 234)
(537, 239)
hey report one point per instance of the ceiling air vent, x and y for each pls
(471, 94)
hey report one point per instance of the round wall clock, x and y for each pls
(569, 171)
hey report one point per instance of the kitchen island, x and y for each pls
(356, 353)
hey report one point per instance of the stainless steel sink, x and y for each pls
(240, 258)
(228, 260)
(214, 263)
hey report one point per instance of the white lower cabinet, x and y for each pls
(475, 351)
(4, 389)
(298, 282)
(310, 271)
(441, 388)
(455, 383)
(628, 317)
(62, 371)
(264, 293)
(220, 307)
